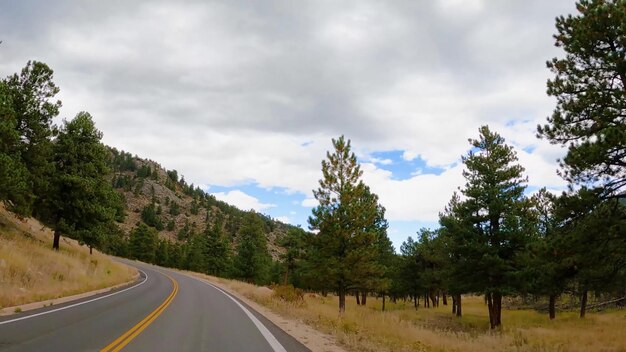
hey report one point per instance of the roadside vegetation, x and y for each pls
(497, 242)
(401, 327)
(30, 271)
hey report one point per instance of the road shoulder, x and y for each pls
(303, 333)
(6, 311)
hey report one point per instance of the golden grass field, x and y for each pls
(401, 328)
(30, 271)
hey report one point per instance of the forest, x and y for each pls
(495, 238)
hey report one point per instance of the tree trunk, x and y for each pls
(490, 308)
(453, 304)
(383, 302)
(497, 303)
(286, 276)
(342, 302)
(415, 301)
(358, 299)
(56, 239)
(494, 302)
(459, 311)
(433, 299)
(583, 304)
(552, 307)
(445, 299)
(363, 298)
(90, 250)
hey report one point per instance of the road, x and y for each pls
(164, 311)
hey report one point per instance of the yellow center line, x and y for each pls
(129, 335)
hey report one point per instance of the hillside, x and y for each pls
(31, 271)
(177, 209)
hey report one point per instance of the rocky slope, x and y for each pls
(174, 207)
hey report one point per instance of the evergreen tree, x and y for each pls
(410, 269)
(592, 242)
(498, 218)
(344, 248)
(295, 244)
(143, 243)
(150, 216)
(14, 179)
(81, 200)
(217, 251)
(455, 226)
(162, 253)
(252, 261)
(31, 113)
(590, 87)
(196, 258)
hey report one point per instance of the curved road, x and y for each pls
(164, 311)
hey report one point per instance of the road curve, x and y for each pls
(164, 311)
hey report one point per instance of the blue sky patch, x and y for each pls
(400, 168)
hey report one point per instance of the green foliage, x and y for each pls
(195, 207)
(174, 208)
(217, 251)
(144, 171)
(589, 85)
(252, 261)
(122, 161)
(27, 110)
(493, 225)
(295, 248)
(81, 200)
(185, 232)
(349, 222)
(143, 243)
(150, 217)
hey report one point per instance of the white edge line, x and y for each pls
(77, 304)
(264, 331)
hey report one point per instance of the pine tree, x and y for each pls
(14, 179)
(143, 243)
(31, 113)
(80, 199)
(344, 250)
(590, 87)
(499, 221)
(252, 262)
(217, 251)
(294, 243)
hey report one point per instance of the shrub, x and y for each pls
(288, 293)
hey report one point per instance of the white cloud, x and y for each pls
(419, 198)
(230, 97)
(309, 203)
(242, 200)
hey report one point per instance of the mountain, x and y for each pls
(163, 200)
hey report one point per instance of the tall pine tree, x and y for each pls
(590, 88)
(498, 224)
(345, 248)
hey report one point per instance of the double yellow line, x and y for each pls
(129, 335)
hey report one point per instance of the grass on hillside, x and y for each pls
(401, 328)
(30, 271)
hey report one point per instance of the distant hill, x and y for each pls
(163, 200)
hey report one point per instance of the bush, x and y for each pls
(288, 293)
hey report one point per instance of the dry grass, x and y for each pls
(30, 271)
(401, 328)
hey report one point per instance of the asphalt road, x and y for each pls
(163, 311)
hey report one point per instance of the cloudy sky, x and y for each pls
(243, 97)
